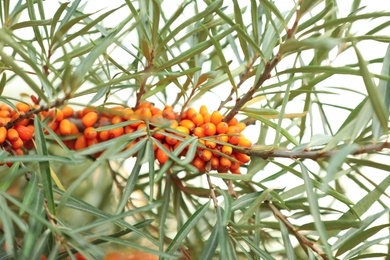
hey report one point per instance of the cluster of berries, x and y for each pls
(216, 138)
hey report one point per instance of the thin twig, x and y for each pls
(301, 238)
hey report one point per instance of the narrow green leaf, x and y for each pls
(22, 25)
(85, 66)
(374, 95)
(333, 225)
(240, 22)
(315, 210)
(131, 181)
(384, 90)
(266, 4)
(294, 45)
(286, 241)
(211, 244)
(56, 18)
(44, 166)
(3, 81)
(359, 238)
(254, 206)
(257, 250)
(187, 227)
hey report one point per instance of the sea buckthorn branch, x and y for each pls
(307, 154)
(269, 67)
(301, 238)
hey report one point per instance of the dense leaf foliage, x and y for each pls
(310, 96)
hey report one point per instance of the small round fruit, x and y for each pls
(90, 119)
(65, 127)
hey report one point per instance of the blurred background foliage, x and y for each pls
(321, 87)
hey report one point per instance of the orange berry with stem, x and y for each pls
(145, 111)
(216, 117)
(89, 119)
(90, 132)
(187, 124)
(24, 132)
(161, 156)
(199, 132)
(12, 135)
(3, 134)
(206, 155)
(17, 143)
(67, 111)
(81, 142)
(65, 127)
(228, 150)
(244, 142)
(225, 162)
(222, 127)
(210, 129)
(22, 107)
(198, 119)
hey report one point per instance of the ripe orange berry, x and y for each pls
(189, 113)
(141, 126)
(203, 110)
(174, 124)
(161, 155)
(126, 113)
(222, 138)
(56, 114)
(187, 124)
(206, 118)
(233, 130)
(17, 143)
(222, 127)
(103, 135)
(90, 119)
(235, 170)
(206, 155)
(244, 142)
(4, 106)
(227, 149)
(22, 107)
(3, 134)
(198, 119)
(116, 132)
(67, 111)
(209, 129)
(24, 121)
(234, 139)
(65, 127)
(12, 135)
(93, 141)
(129, 129)
(73, 129)
(81, 142)
(170, 140)
(210, 144)
(199, 132)
(144, 104)
(158, 134)
(156, 111)
(224, 162)
(5, 113)
(233, 122)
(18, 151)
(235, 165)
(24, 132)
(214, 162)
(243, 158)
(90, 132)
(145, 111)
(241, 126)
(199, 163)
(216, 117)
(116, 120)
(183, 129)
(53, 125)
